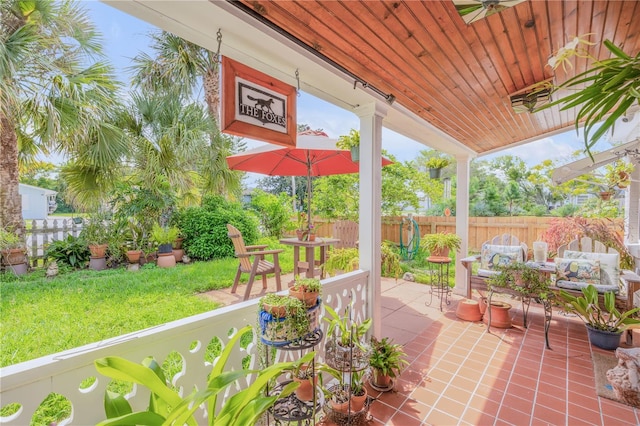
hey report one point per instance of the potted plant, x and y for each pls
(95, 231)
(282, 319)
(135, 240)
(387, 360)
(347, 399)
(350, 142)
(13, 252)
(604, 326)
(435, 165)
(164, 238)
(306, 290)
(440, 243)
(305, 229)
(345, 348)
(167, 406)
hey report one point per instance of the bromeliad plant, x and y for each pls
(167, 407)
(589, 310)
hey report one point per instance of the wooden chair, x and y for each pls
(347, 232)
(259, 266)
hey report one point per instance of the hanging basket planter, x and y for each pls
(434, 173)
(355, 153)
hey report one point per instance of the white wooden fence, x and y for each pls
(43, 232)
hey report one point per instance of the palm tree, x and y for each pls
(167, 136)
(53, 95)
(192, 69)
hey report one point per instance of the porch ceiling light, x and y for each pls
(526, 102)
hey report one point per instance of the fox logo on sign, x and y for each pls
(260, 105)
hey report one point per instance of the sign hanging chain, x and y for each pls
(298, 80)
(219, 39)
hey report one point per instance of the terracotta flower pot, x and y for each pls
(166, 260)
(308, 298)
(307, 388)
(98, 250)
(469, 310)
(14, 256)
(134, 256)
(357, 402)
(178, 253)
(500, 317)
(381, 381)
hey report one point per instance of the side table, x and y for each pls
(439, 267)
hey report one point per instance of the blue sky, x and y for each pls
(125, 36)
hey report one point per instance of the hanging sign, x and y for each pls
(257, 106)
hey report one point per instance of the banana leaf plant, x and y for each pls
(610, 86)
(588, 309)
(167, 407)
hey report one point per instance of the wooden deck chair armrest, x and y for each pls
(276, 251)
(256, 247)
(632, 281)
(259, 253)
(467, 261)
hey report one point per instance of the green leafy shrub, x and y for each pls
(274, 212)
(205, 228)
(70, 251)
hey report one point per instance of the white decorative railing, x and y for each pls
(29, 383)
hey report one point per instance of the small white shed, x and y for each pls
(37, 203)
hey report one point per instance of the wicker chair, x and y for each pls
(259, 265)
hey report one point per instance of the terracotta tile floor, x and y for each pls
(462, 375)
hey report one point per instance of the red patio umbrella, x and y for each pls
(315, 155)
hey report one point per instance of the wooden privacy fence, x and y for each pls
(43, 232)
(526, 228)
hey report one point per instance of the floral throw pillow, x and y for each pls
(497, 255)
(578, 270)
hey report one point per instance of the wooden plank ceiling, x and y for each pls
(456, 76)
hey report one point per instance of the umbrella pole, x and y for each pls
(308, 191)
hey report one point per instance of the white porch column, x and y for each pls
(371, 116)
(632, 216)
(463, 163)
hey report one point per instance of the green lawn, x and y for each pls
(41, 316)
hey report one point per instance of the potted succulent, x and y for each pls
(13, 252)
(282, 319)
(350, 142)
(387, 360)
(306, 290)
(435, 165)
(440, 243)
(345, 348)
(604, 326)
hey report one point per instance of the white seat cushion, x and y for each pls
(578, 285)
